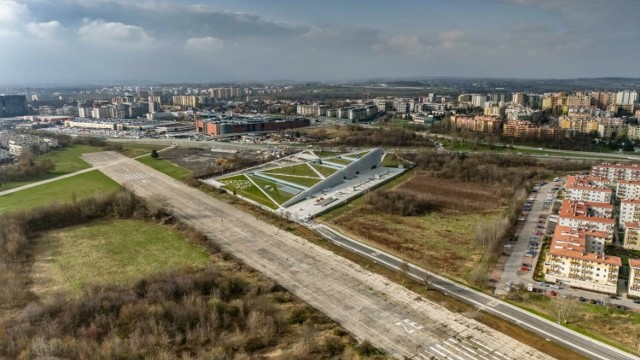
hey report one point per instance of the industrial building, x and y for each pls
(217, 126)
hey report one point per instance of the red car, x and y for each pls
(524, 268)
(553, 293)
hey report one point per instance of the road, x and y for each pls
(538, 325)
(366, 304)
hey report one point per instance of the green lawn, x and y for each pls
(165, 166)
(358, 155)
(133, 149)
(244, 187)
(324, 170)
(110, 251)
(300, 170)
(337, 160)
(83, 185)
(324, 154)
(67, 160)
(306, 182)
(271, 188)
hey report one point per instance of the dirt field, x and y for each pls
(442, 240)
(192, 159)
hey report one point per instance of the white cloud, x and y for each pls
(208, 43)
(100, 31)
(45, 30)
(12, 12)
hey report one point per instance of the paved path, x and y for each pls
(28, 186)
(368, 305)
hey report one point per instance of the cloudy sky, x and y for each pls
(72, 41)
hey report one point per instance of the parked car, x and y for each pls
(553, 293)
(524, 268)
(582, 299)
(636, 301)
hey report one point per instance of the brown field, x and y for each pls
(442, 240)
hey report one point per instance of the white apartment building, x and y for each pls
(634, 277)
(616, 172)
(588, 216)
(629, 211)
(588, 188)
(628, 189)
(632, 236)
(569, 262)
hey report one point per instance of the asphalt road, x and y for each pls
(538, 325)
(366, 304)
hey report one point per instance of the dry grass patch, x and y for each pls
(109, 251)
(442, 240)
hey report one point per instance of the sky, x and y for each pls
(94, 41)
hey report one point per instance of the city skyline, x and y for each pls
(81, 41)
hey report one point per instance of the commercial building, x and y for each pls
(628, 172)
(225, 126)
(628, 189)
(632, 236)
(588, 188)
(13, 105)
(588, 216)
(634, 277)
(571, 262)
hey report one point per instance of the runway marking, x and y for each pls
(493, 303)
(408, 325)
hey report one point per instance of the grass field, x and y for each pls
(441, 240)
(306, 182)
(110, 251)
(67, 160)
(297, 170)
(340, 161)
(165, 166)
(133, 149)
(325, 170)
(604, 323)
(243, 187)
(83, 185)
(271, 188)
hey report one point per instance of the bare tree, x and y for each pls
(563, 308)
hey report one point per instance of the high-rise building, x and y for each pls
(13, 105)
(519, 98)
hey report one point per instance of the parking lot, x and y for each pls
(533, 223)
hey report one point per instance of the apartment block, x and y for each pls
(616, 172)
(525, 129)
(579, 125)
(485, 124)
(628, 189)
(634, 277)
(311, 110)
(632, 235)
(629, 211)
(588, 188)
(588, 215)
(570, 262)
